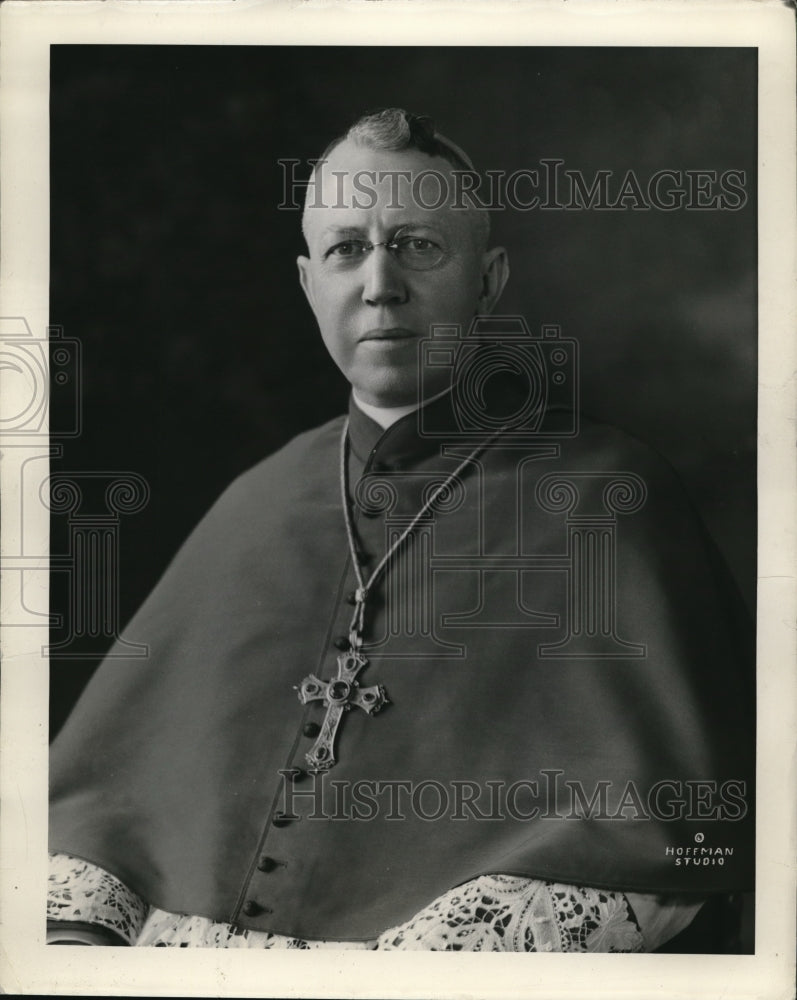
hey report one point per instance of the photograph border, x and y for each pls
(28, 29)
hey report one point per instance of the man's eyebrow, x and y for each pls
(363, 230)
(342, 231)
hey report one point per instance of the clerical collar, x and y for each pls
(413, 431)
(403, 437)
(385, 416)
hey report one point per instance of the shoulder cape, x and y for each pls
(569, 687)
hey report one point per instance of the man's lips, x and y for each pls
(389, 333)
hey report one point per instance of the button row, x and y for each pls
(265, 863)
(251, 907)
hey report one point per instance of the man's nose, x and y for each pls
(383, 278)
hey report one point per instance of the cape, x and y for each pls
(567, 674)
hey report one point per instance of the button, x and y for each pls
(311, 729)
(281, 819)
(342, 642)
(251, 908)
(266, 864)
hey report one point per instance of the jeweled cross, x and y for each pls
(338, 695)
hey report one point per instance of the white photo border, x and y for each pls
(26, 965)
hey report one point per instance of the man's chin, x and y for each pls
(385, 400)
(386, 396)
(387, 387)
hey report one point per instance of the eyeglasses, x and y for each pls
(416, 253)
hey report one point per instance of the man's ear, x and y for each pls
(306, 279)
(495, 272)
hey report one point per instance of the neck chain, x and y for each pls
(338, 695)
(364, 587)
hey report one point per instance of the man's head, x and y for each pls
(390, 255)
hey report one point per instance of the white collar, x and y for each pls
(385, 416)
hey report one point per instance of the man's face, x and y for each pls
(373, 310)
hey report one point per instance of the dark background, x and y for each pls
(172, 266)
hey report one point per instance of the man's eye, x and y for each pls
(416, 245)
(348, 248)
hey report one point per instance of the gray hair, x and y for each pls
(396, 129)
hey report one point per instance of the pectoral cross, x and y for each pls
(338, 695)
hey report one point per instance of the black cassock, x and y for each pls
(569, 683)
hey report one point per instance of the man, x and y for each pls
(412, 683)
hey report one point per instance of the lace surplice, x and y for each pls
(490, 913)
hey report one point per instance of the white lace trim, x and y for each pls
(80, 891)
(489, 913)
(164, 929)
(508, 913)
